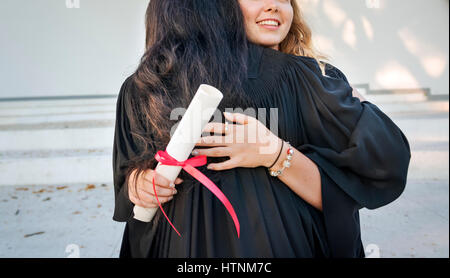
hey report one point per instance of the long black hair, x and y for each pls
(188, 42)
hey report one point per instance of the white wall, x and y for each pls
(50, 50)
(400, 44)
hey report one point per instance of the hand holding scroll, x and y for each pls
(143, 195)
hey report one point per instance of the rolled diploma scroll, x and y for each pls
(185, 137)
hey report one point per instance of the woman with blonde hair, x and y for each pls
(333, 154)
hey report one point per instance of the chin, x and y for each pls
(269, 42)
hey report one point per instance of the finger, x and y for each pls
(162, 191)
(159, 179)
(144, 196)
(214, 152)
(131, 187)
(162, 200)
(131, 182)
(215, 128)
(226, 165)
(178, 181)
(141, 203)
(147, 198)
(238, 117)
(212, 141)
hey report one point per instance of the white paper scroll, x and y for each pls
(186, 135)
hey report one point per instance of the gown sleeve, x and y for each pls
(362, 156)
(358, 146)
(125, 148)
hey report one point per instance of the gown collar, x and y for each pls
(254, 59)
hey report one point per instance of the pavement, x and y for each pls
(416, 224)
(56, 191)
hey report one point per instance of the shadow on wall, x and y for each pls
(391, 44)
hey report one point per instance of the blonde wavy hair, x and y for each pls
(299, 39)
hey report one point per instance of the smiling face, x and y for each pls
(267, 22)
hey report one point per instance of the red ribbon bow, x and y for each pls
(188, 166)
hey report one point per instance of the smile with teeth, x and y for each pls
(268, 22)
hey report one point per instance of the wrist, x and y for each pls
(284, 161)
(279, 163)
(274, 157)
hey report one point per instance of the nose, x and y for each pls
(271, 6)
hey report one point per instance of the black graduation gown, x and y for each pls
(362, 156)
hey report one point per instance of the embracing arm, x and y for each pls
(302, 177)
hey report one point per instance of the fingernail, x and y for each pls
(227, 114)
(209, 166)
(175, 191)
(172, 184)
(194, 152)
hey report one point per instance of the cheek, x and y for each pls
(250, 12)
(289, 18)
(289, 14)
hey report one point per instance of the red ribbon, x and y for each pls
(188, 166)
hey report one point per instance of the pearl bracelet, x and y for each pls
(286, 163)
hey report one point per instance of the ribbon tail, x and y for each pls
(216, 191)
(160, 206)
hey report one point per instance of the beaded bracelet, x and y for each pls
(286, 163)
(281, 149)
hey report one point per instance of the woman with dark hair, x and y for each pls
(334, 154)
